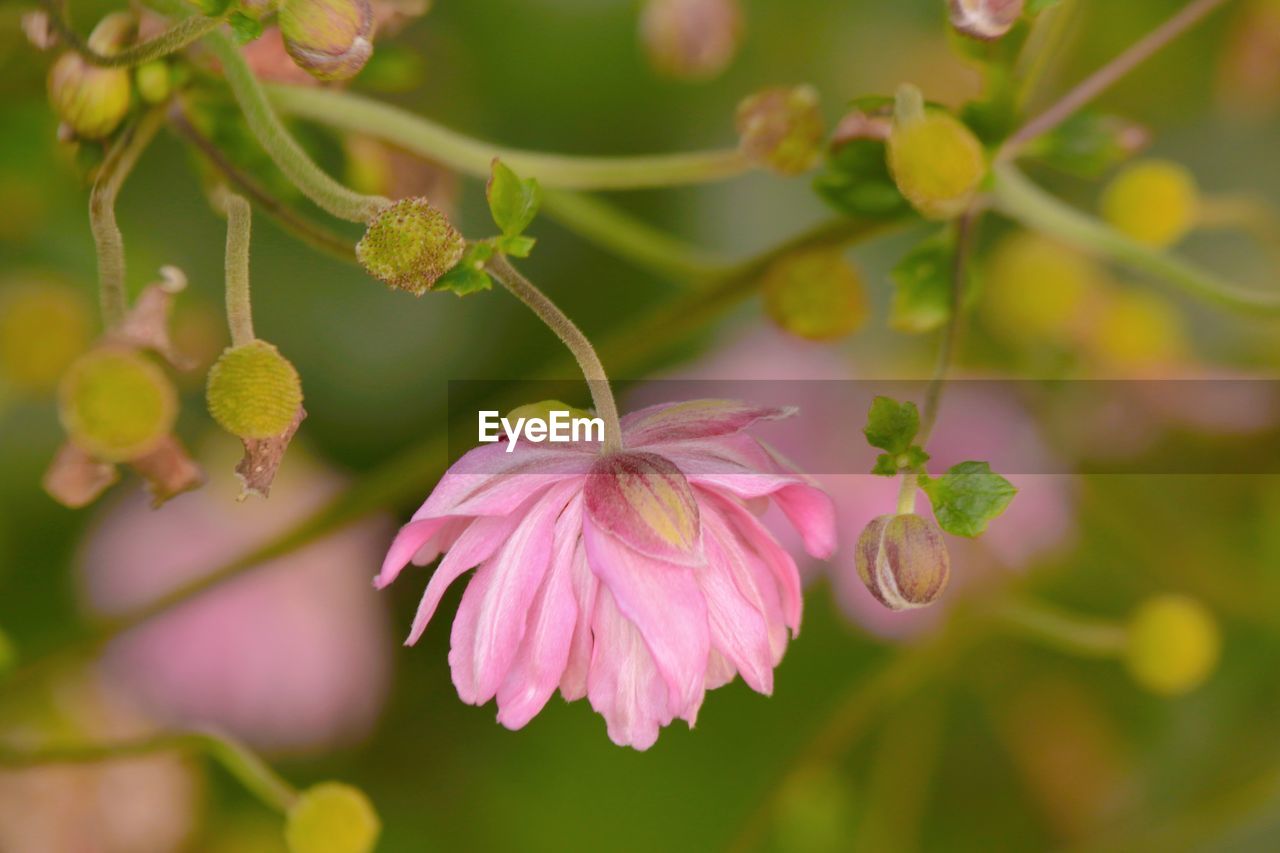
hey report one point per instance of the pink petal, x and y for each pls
(624, 686)
(693, 419)
(489, 481)
(813, 514)
(573, 684)
(666, 605)
(491, 618)
(785, 575)
(414, 537)
(544, 652)
(645, 502)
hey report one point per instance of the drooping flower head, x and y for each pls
(639, 579)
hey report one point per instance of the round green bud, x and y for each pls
(253, 391)
(1173, 644)
(1154, 201)
(329, 39)
(43, 328)
(782, 128)
(1038, 291)
(1132, 331)
(332, 818)
(903, 561)
(154, 82)
(92, 101)
(409, 245)
(935, 159)
(815, 295)
(116, 404)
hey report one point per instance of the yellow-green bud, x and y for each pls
(1173, 644)
(43, 327)
(154, 82)
(409, 245)
(253, 391)
(116, 404)
(782, 128)
(903, 560)
(1134, 330)
(332, 818)
(1038, 291)
(92, 101)
(329, 39)
(1155, 202)
(935, 159)
(816, 295)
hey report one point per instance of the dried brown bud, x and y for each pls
(903, 560)
(692, 39)
(984, 19)
(168, 470)
(75, 478)
(782, 128)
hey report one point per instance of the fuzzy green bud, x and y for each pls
(903, 561)
(409, 245)
(92, 101)
(43, 328)
(935, 159)
(815, 295)
(1155, 202)
(782, 128)
(253, 391)
(1173, 644)
(329, 39)
(116, 404)
(332, 818)
(154, 82)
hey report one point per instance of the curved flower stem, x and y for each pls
(180, 35)
(283, 149)
(1107, 76)
(1062, 630)
(572, 337)
(107, 239)
(350, 112)
(248, 769)
(1020, 199)
(239, 231)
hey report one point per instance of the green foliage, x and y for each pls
(922, 286)
(512, 202)
(469, 275)
(856, 181)
(890, 465)
(892, 426)
(244, 28)
(1087, 144)
(968, 497)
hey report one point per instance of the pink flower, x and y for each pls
(638, 579)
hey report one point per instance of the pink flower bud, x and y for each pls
(984, 19)
(782, 128)
(329, 39)
(692, 39)
(903, 561)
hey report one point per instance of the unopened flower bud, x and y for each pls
(1173, 644)
(903, 561)
(329, 39)
(409, 245)
(815, 295)
(984, 19)
(91, 101)
(43, 328)
(782, 128)
(1154, 201)
(1068, 287)
(253, 391)
(154, 82)
(116, 404)
(935, 159)
(39, 30)
(692, 39)
(332, 818)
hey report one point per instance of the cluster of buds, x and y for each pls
(329, 39)
(903, 561)
(410, 245)
(782, 128)
(935, 159)
(690, 39)
(90, 100)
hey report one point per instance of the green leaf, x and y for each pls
(922, 286)
(967, 497)
(515, 245)
(512, 201)
(890, 465)
(244, 28)
(856, 181)
(892, 426)
(1087, 145)
(468, 276)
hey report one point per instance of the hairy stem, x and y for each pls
(107, 239)
(949, 342)
(1018, 198)
(239, 230)
(248, 769)
(1062, 630)
(180, 35)
(283, 149)
(572, 337)
(350, 112)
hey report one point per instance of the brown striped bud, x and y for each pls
(903, 561)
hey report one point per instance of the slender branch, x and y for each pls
(350, 112)
(1107, 76)
(1020, 199)
(108, 240)
(248, 769)
(949, 343)
(572, 337)
(1062, 630)
(178, 36)
(239, 231)
(283, 149)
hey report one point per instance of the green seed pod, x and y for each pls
(782, 128)
(154, 82)
(116, 404)
(1173, 644)
(253, 391)
(329, 39)
(903, 561)
(409, 245)
(815, 295)
(332, 818)
(935, 159)
(92, 101)
(1155, 202)
(44, 326)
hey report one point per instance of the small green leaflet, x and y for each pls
(856, 181)
(922, 287)
(892, 426)
(890, 465)
(1088, 144)
(246, 29)
(468, 276)
(967, 497)
(512, 202)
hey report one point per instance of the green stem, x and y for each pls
(572, 337)
(623, 235)
(353, 113)
(1018, 198)
(239, 231)
(1061, 630)
(107, 239)
(248, 769)
(178, 36)
(907, 493)
(949, 343)
(283, 149)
